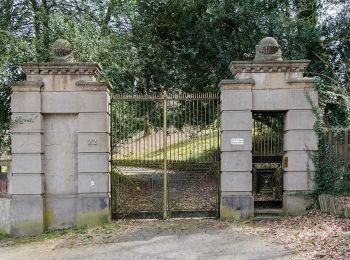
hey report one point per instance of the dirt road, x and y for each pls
(175, 239)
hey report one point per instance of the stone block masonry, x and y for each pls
(267, 84)
(60, 148)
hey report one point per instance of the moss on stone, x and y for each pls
(48, 215)
(228, 213)
(93, 218)
(21, 228)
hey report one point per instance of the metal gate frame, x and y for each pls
(267, 157)
(166, 101)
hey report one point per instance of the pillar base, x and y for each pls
(93, 209)
(5, 225)
(297, 203)
(60, 211)
(26, 214)
(236, 207)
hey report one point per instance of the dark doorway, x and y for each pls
(267, 151)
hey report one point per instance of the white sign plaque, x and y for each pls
(237, 141)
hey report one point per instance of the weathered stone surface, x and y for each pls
(236, 120)
(236, 161)
(270, 81)
(30, 184)
(297, 203)
(236, 207)
(60, 153)
(236, 100)
(26, 214)
(299, 161)
(66, 82)
(62, 51)
(27, 123)
(300, 98)
(229, 141)
(236, 84)
(97, 86)
(93, 123)
(300, 120)
(93, 101)
(236, 181)
(60, 211)
(26, 102)
(93, 162)
(27, 143)
(268, 50)
(93, 209)
(59, 102)
(5, 225)
(271, 100)
(296, 181)
(248, 69)
(93, 142)
(65, 183)
(27, 86)
(27, 163)
(35, 71)
(300, 140)
(93, 182)
(301, 82)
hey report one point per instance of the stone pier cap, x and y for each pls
(82, 75)
(63, 68)
(268, 75)
(239, 67)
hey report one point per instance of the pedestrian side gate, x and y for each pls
(267, 153)
(165, 156)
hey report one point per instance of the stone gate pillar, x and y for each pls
(236, 145)
(60, 145)
(267, 84)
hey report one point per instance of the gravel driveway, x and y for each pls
(173, 239)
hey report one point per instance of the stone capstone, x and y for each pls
(62, 51)
(268, 50)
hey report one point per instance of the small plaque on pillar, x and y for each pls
(237, 141)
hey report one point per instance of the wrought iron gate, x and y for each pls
(267, 159)
(165, 155)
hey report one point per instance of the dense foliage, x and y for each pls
(146, 46)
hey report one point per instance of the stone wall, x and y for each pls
(4, 215)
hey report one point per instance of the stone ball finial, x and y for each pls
(268, 50)
(62, 51)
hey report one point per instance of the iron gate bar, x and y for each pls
(165, 172)
(187, 128)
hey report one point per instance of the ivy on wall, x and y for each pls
(332, 171)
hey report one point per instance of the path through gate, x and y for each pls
(268, 153)
(165, 156)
